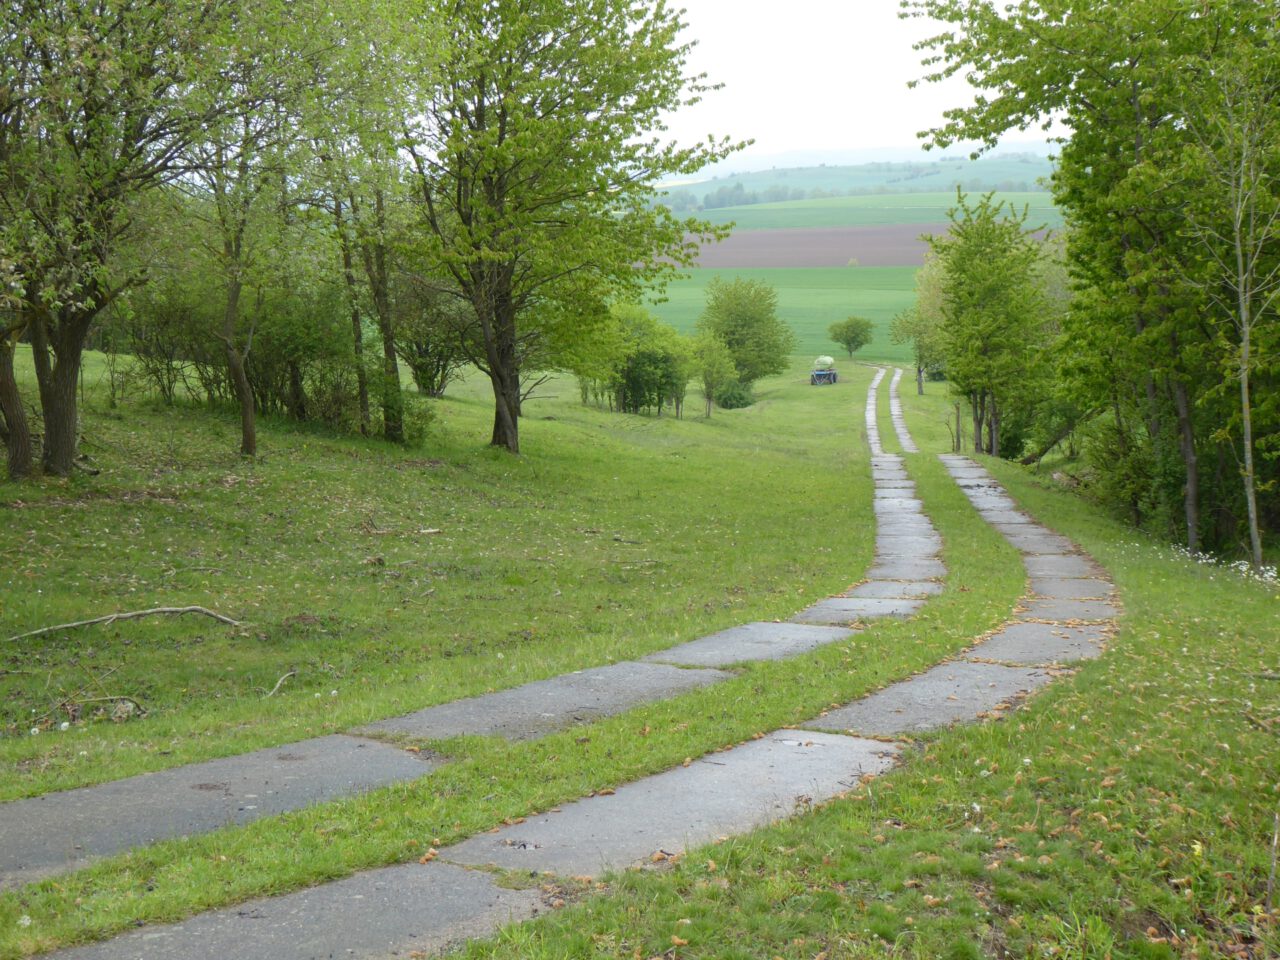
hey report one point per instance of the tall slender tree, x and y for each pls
(1232, 166)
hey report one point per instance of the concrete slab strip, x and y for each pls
(751, 641)
(1059, 565)
(411, 910)
(946, 694)
(1048, 608)
(1041, 643)
(896, 589)
(61, 831)
(848, 609)
(904, 569)
(720, 794)
(1060, 588)
(536, 709)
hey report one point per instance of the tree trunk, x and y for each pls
(919, 380)
(1246, 421)
(978, 400)
(497, 317)
(244, 394)
(506, 430)
(993, 429)
(17, 432)
(297, 392)
(375, 263)
(357, 330)
(239, 378)
(57, 384)
(1187, 447)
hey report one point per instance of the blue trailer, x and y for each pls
(824, 371)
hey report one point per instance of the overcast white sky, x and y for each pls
(811, 76)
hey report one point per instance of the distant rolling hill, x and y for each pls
(1015, 172)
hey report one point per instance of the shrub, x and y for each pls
(734, 396)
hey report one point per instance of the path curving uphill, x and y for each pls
(423, 908)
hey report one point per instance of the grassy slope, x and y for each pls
(714, 523)
(1126, 812)
(868, 211)
(810, 300)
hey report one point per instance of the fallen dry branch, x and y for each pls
(130, 615)
(280, 682)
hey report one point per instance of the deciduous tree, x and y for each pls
(99, 103)
(852, 333)
(743, 314)
(536, 166)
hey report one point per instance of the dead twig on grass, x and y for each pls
(280, 682)
(1271, 877)
(131, 615)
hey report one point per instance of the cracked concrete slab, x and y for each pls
(538, 708)
(61, 831)
(1060, 565)
(896, 505)
(410, 910)
(849, 609)
(752, 641)
(719, 794)
(1041, 543)
(903, 568)
(896, 589)
(906, 528)
(1048, 608)
(907, 545)
(894, 489)
(1014, 528)
(1041, 643)
(955, 692)
(1017, 522)
(1071, 589)
(992, 503)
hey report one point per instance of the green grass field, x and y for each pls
(1126, 812)
(810, 300)
(869, 211)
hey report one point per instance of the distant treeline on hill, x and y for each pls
(1019, 172)
(684, 200)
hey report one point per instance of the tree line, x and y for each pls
(278, 205)
(684, 200)
(1154, 353)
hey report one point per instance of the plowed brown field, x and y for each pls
(880, 246)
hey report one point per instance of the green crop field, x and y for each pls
(870, 211)
(810, 300)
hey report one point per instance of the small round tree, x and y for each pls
(853, 334)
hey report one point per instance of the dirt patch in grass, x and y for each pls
(898, 245)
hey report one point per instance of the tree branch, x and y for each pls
(131, 615)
